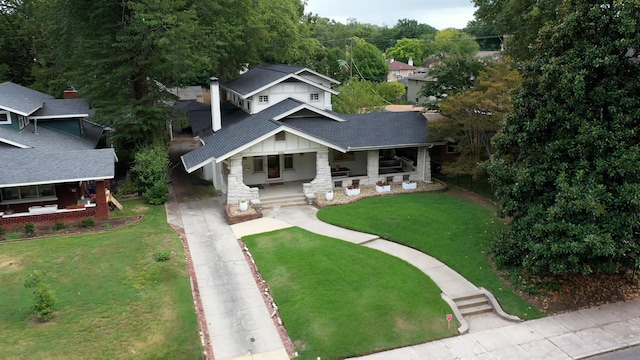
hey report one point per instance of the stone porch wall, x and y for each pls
(236, 189)
(322, 181)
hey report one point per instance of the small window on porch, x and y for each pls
(263, 99)
(288, 161)
(281, 136)
(258, 164)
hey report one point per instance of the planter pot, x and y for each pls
(244, 205)
(379, 188)
(387, 188)
(352, 192)
(329, 195)
(409, 185)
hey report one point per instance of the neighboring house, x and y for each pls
(50, 165)
(399, 70)
(281, 129)
(414, 86)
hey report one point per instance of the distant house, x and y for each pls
(51, 169)
(278, 127)
(399, 70)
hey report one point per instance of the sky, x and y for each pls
(440, 14)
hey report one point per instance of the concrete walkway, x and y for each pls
(240, 327)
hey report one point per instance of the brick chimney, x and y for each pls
(216, 117)
(410, 62)
(71, 93)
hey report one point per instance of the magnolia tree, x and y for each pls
(567, 167)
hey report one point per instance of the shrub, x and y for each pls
(29, 228)
(87, 222)
(3, 231)
(151, 172)
(44, 298)
(58, 225)
(162, 256)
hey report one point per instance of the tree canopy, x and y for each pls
(453, 42)
(567, 166)
(474, 115)
(520, 20)
(450, 75)
(406, 49)
(368, 62)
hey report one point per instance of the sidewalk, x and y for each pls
(571, 335)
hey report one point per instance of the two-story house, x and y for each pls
(278, 126)
(51, 169)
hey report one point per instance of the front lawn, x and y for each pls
(114, 300)
(454, 231)
(339, 299)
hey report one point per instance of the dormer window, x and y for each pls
(263, 99)
(314, 97)
(22, 121)
(5, 117)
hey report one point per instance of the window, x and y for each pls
(258, 164)
(22, 121)
(281, 136)
(452, 147)
(314, 97)
(288, 161)
(28, 193)
(263, 99)
(5, 117)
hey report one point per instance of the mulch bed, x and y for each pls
(74, 229)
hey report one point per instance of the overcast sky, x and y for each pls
(440, 14)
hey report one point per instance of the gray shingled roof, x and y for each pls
(50, 140)
(63, 108)
(32, 167)
(260, 76)
(359, 131)
(20, 99)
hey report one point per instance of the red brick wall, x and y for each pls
(47, 219)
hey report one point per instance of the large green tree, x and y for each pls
(450, 75)
(366, 61)
(453, 42)
(519, 20)
(406, 49)
(17, 34)
(568, 162)
(473, 116)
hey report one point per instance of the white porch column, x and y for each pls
(322, 181)
(373, 166)
(237, 190)
(423, 166)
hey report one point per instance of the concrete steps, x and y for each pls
(473, 303)
(283, 200)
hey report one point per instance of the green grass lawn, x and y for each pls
(114, 300)
(454, 231)
(339, 299)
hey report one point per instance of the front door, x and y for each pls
(273, 167)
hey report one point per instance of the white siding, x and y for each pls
(298, 91)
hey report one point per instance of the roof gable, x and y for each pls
(21, 100)
(399, 65)
(266, 75)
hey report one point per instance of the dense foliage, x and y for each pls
(568, 161)
(474, 115)
(151, 172)
(360, 96)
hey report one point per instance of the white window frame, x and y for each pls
(263, 99)
(24, 199)
(258, 164)
(22, 121)
(8, 121)
(314, 97)
(284, 160)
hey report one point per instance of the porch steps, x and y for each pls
(473, 303)
(283, 200)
